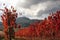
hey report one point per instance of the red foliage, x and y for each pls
(9, 16)
(48, 27)
(8, 20)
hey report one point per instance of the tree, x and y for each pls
(9, 18)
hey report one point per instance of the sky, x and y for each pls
(33, 9)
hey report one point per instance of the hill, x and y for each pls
(24, 21)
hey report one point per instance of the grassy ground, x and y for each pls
(33, 38)
(37, 38)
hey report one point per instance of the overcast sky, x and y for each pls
(34, 9)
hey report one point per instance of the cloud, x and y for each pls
(51, 7)
(38, 8)
(35, 9)
(28, 3)
(32, 11)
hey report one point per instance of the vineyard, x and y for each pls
(48, 28)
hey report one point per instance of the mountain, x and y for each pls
(24, 21)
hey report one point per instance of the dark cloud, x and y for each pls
(28, 3)
(39, 1)
(32, 2)
(48, 11)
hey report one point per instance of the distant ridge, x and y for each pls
(24, 21)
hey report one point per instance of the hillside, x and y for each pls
(25, 22)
